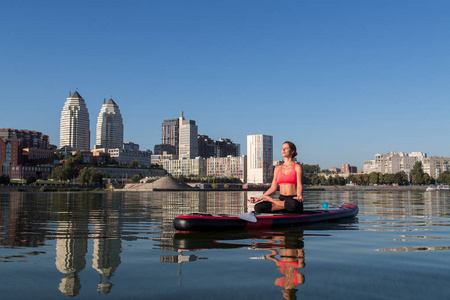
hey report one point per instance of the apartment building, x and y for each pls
(434, 166)
(130, 152)
(230, 166)
(28, 138)
(184, 166)
(393, 162)
(259, 158)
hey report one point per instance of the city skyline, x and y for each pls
(342, 80)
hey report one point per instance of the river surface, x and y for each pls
(116, 245)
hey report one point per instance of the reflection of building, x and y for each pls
(259, 158)
(74, 127)
(109, 126)
(71, 249)
(107, 242)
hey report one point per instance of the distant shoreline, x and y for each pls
(25, 188)
(368, 188)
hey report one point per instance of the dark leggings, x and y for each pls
(290, 205)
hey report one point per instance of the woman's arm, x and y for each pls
(299, 171)
(273, 188)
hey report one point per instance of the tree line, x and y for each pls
(417, 177)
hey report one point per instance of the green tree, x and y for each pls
(338, 180)
(401, 178)
(136, 178)
(134, 164)
(330, 180)
(69, 169)
(57, 173)
(4, 179)
(59, 154)
(65, 172)
(364, 179)
(310, 169)
(373, 177)
(427, 179)
(417, 173)
(78, 157)
(444, 178)
(31, 180)
(389, 178)
(90, 176)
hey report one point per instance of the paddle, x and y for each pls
(248, 216)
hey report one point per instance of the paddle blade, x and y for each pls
(248, 216)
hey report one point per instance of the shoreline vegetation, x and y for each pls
(73, 188)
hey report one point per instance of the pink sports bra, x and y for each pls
(290, 178)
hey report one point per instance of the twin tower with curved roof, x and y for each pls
(75, 125)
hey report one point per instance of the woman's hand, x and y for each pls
(254, 199)
(299, 198)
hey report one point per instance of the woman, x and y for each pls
(289, 177)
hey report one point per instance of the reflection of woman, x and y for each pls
(288, 177)
(290, 260)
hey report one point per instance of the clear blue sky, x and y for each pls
(341, 79)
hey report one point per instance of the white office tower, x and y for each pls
(109, 126)
(259, 158)
(188, 144)
(74, 131)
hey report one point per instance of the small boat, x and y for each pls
(251, 220)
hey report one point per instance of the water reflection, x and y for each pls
(71, 249)
(73, 225)
(284, 248)
(78, 220)
(289, 248)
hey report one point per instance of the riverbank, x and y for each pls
(55, 188)
(368, 188)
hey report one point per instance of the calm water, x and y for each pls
(122, 245)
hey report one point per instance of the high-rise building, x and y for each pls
(109, 126)
(74, 126)
(170, 135)
(188, 144)
(227, 147)
(259, 158)
(208, 147)
(170, 132)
